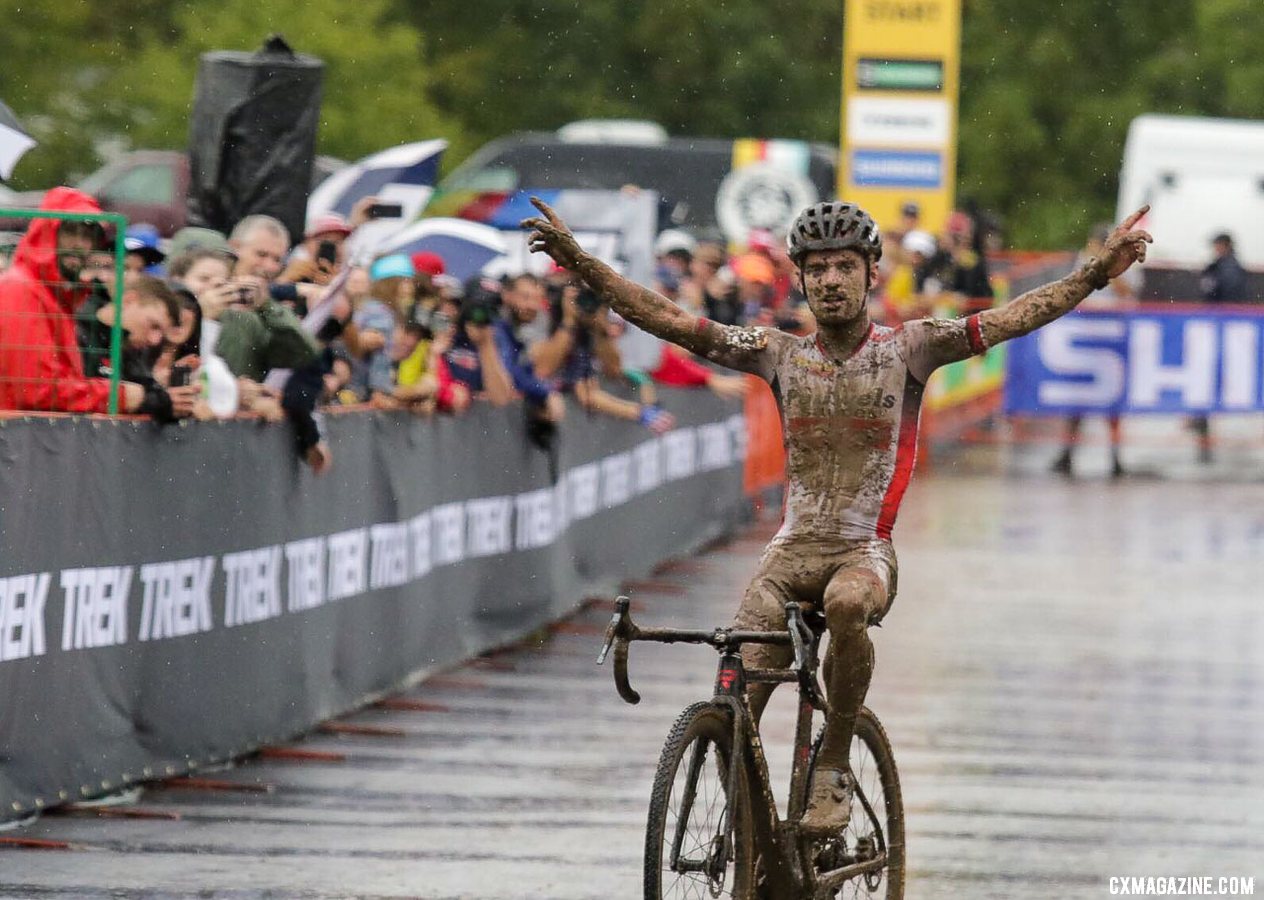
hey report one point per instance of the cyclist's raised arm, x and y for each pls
(737, 348)
(933, 343)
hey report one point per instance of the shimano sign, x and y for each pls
(1142, 361)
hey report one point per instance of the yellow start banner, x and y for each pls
(901, 65)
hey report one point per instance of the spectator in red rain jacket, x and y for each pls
(40, 363)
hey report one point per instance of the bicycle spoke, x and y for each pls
(695, 824)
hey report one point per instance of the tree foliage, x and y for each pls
(1047, 90)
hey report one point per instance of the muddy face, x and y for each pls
(836, 282)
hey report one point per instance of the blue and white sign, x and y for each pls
(1139, 362)
(897, 168)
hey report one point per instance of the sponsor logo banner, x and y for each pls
(897, 168)
(1142, 361)
(898, 122)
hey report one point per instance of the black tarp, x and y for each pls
(252, 136)
(173, 596)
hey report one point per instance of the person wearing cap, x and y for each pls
(142, 250)
(1222, 281)
(427, 264)
(906, 288)
(910, 219)
(755, 276)
(322, 252)
(375, 317)
(195, 238)
(765, 243)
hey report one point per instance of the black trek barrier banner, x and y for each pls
(171, 597)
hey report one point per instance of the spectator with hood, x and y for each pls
(41, 367)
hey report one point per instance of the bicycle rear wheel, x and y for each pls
(876, 825)
(688, 852)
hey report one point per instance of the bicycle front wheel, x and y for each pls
(698, 842)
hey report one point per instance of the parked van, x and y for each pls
(1201, 177)
(716, 186)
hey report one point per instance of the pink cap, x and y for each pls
(329, 223)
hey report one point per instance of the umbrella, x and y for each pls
(14, 141)
(405, 174)
(466, 247)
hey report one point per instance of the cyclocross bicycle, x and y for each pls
(714, 828)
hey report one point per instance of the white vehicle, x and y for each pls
(1201, 177)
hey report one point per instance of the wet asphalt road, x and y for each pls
(1071, 676)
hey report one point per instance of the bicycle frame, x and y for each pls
(785, 854)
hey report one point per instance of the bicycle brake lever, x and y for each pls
(621, 605)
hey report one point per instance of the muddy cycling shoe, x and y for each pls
(829, 803)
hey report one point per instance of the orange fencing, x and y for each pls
(765, 453)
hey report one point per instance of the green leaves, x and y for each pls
(1047, 90)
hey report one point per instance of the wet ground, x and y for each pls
(1072, 677)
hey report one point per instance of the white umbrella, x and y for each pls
(405, 175)
(14, 141)
(466, 247)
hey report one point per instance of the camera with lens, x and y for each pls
(588, 300)
(480, 304)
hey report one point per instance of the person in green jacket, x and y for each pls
(257, 333)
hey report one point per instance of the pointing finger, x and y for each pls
(548, 211)
(1133, 219)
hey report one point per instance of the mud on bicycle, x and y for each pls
(714, 829)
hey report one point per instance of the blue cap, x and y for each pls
(142, 238)
(397, 265)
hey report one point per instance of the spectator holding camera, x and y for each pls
(256, 332)
(585, 317)
(487, 358)
(203, 271)
(322, 252)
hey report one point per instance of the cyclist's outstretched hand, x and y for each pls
(1126, 245)
(550, 235)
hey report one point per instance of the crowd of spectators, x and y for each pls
(252, 323)
(923, 275)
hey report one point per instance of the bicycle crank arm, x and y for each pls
(828, 882)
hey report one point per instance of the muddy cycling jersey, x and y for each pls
(849, 425)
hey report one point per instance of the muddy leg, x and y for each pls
(762, 610)
(853, 598)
